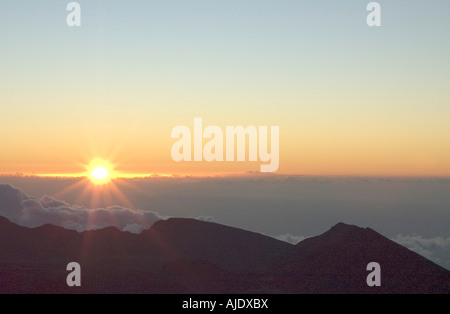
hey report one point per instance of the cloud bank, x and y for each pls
(32, 212)
(289, 238)
(436, 249)
(206, 218)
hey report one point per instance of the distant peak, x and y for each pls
(344, 226)
(350, 231)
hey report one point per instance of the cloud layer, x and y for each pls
(287, 206)
(289, 238)
(32, 212)
(436, 249)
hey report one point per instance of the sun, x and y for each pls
(100, 175)
(99, 172)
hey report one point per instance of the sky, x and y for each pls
(349, 99)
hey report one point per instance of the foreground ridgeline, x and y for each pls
(191, 256)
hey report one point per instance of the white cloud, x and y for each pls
(133, 228)
(436, 249)
(289, 238)
(32, 212)
(206, 218)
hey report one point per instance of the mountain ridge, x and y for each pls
(182, 255)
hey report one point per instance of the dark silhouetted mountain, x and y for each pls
(336, 262)
(191, 256)
(227, 247)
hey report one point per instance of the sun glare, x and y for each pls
(100, 172)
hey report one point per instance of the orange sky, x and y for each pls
(348, 99)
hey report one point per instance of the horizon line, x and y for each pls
(214, 175)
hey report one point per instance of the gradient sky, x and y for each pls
(349, 99)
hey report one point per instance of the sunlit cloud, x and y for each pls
(32, 212)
